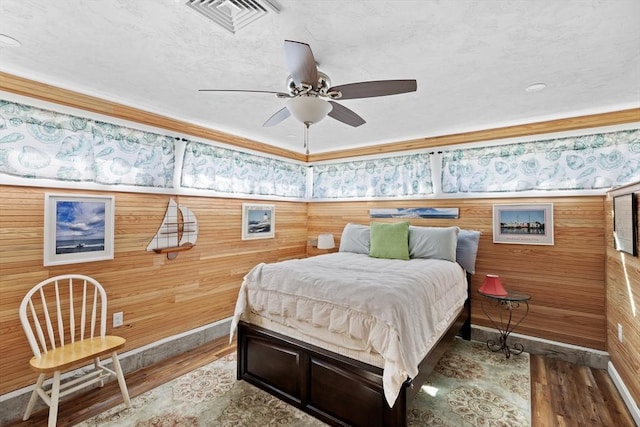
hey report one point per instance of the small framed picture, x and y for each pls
(525, 224)
(258, 221)
(625, 227)
(77, 228)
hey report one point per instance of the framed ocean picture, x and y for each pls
(78, 228)
(426, 212)
(525, 224)
(258, 221)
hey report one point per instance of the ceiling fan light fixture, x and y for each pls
(308, 109)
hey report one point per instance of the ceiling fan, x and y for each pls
(310, 95)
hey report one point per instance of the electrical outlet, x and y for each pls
(620, 333)
(118, 319)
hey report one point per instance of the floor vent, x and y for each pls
(233, 15)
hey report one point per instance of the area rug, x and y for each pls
(470, 386)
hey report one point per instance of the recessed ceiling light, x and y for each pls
(9, 41)
(536, 87)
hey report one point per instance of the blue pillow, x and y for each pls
(467, 249)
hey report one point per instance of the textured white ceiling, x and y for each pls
(472, 60)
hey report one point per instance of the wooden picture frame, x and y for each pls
(78, 228)
(625, 225)
(523, 224)
(258, 221)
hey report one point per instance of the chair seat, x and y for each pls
(68, 355)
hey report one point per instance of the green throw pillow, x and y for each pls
(389, 240)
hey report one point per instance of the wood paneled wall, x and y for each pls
(159, 297)
(623, 302)
(566, 281)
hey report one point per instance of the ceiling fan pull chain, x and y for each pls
(306, 136)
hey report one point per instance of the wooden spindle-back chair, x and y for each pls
(65, 320)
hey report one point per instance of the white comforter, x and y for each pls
(393, 307)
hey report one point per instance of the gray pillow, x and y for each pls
(467, 249)
(433, 242)
(355, 238)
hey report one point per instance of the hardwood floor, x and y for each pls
(562, 394)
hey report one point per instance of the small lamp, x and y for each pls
(325, 241)
(492, 286)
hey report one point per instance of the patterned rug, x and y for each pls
(470, 386)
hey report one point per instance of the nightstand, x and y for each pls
(504, 322)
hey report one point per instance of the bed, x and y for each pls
(349, 337)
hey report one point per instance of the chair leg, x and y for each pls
(34, 397)
(55, 395)
(96, 364)
(121, 381)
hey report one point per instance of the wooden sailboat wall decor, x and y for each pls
(178, 231)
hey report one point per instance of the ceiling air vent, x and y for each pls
(233, 15)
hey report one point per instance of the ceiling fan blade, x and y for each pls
(301, 63)
(278, 94)
(345, 115)
(375, 88)
(277, 117)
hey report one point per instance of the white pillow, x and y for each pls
(433, 242)
(355, 238)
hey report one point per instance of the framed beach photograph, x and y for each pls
(524, 224)
(625, 226)
(426, 212)
(77, 228)
(258, 221)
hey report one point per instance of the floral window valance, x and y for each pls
(234, 172)
(574, 163)
(37, 143)
(398, 176)
(41, 144)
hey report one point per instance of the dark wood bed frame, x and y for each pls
(333, 388)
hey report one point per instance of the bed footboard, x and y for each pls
(335, 389)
